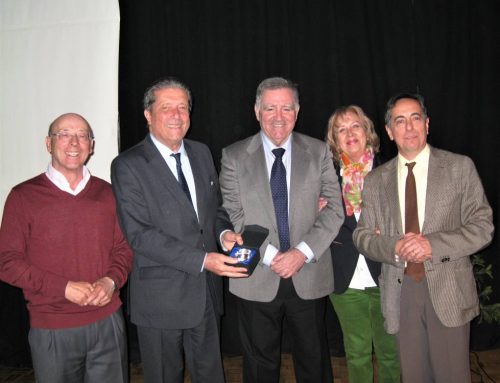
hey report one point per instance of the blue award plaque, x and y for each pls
(248, 254)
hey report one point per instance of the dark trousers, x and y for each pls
(163, 352)
(95, 353)
(261, 324)
(428, 350)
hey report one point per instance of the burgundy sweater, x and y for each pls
(49, 237)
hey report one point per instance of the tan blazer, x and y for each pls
(246, 192)
(458, 223)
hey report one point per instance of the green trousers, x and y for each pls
(362, 325)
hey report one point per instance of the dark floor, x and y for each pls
(485, 367)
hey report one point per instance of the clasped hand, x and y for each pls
(414, 248)
(287, 264)
(98, 293)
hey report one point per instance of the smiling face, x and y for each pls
(409, 127)
(351, 136)
(69, 153)
(277, 112)
(168, 117)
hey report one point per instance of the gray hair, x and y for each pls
(169, 82)
(394, 99)
(273, 83)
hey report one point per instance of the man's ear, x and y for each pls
(389, 133)
(148, 116)
(48, 144)
(256, 109)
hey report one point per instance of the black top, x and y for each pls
(344, 253)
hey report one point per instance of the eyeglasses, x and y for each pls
(67, 136)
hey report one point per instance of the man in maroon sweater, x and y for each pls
(60, 242)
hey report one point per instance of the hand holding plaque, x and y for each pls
(248, 254)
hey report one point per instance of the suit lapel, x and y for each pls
(434, 175)
(300, 163)
(165, 176)
(255, 168)
(390, 185)
(197, 168)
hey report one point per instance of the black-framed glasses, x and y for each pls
(64, 136)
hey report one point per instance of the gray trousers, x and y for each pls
(95, 353)
(428, 350)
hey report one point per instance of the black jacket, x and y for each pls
(344, 253)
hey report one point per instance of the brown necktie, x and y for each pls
(415, 271)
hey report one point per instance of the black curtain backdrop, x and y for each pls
(339, 52)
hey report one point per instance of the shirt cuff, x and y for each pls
(269, 255)
(306, 250)
(220, 241)
(272, 251)
(203, 264)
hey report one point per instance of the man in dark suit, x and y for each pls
(424, 213)
(169, 205)
(274, 179)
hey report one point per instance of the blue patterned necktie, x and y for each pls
(180, 176)
(280, 198)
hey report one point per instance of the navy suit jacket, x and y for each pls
(168, 288)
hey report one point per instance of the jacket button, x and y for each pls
(201, 231)
(399, 280)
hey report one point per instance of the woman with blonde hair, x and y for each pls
(356, 298)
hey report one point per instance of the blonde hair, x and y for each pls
(334, 120)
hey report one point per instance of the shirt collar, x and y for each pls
(58, 179)
(422, 158)
(269, 146)
(165, 151)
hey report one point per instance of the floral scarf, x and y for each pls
(353, 175)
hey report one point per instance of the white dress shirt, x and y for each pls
(420, 171)
(58, 179)
(186, 169)
(272, 251)
(166, 153)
